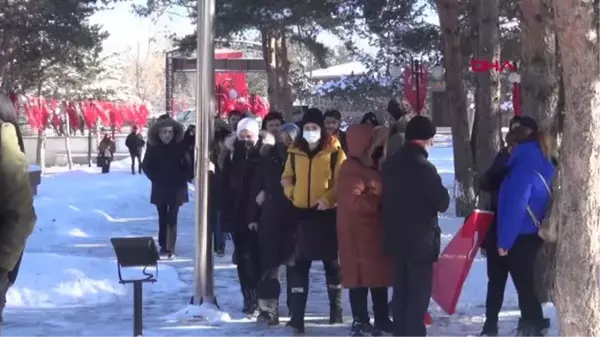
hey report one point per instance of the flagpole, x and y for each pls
(204, 271)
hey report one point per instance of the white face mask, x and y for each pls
(312, 136)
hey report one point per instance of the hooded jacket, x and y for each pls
(312, 176)
(359, 228)
(523, 187)
(168, 166)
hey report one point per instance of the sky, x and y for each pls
(128, 32)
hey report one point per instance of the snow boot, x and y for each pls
(334, 292)
(364, 329)
(249, 301)
(298, 299)
(490, 328)
(269, 312)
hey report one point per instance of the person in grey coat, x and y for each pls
(168, 166)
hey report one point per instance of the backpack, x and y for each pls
(543, 225)
(332, 162)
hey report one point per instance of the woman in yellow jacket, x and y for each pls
(309, 178)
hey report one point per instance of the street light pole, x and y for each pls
(203, 271)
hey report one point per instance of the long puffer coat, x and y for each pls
(359, 228)
(313, 177)
(275, 230)
(168, 166)
(238, 167)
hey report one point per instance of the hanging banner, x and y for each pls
(411, 91)
(517, 99)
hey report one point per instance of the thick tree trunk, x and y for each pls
(488, 136)
(461, 136)
(540, 89)
(275, 55)
(577, 295)
(539, 72)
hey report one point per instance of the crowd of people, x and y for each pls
(364, 202)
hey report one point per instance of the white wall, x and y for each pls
(56, 151)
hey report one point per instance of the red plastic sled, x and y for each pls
(454, 264)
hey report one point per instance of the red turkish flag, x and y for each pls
(410, 87)
(454, 264)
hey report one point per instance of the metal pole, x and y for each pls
(137, 308)
(416, 74)
(203, 271)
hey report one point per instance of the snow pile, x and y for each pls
(52, 280)
(206, 313)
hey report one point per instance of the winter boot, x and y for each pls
(490, 328)
(298, 299)
(540, 328)
(171, 239)
(249, 301)
(381, 312)
(334, 292)
(269, 312)
(364, 329)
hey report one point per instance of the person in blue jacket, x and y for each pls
(530, 174)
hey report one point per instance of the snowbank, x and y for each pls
(52, 280)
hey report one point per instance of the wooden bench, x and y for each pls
(35, 177)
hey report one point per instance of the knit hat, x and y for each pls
(420, 128)
(291, 130)
(313, 115)
(249, 124)
(525, 121)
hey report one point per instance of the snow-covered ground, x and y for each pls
(68, 282)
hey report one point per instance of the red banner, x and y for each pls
(411, 91)
(517, 99)
(454, 264)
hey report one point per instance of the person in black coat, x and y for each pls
(222, 131)
(270, 216)
(413, 195)
(239, 164)
(135, 143)
(169, 168)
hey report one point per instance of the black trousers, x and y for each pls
(134, 156)
(497, 272)
(167, 226)
(359, 304)
(521, 259)
(412, 292)
(248, 264)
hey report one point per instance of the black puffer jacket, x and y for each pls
(168, 166)
(238, 167)
(275, 230)
(490, 182)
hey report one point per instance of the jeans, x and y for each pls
(134, 156)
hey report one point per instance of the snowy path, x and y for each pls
(80, 210)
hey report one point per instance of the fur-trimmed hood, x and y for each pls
(178, 130)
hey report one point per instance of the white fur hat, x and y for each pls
(249, 124)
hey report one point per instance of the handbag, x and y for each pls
(545, 232)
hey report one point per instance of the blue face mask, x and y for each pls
(312, 136)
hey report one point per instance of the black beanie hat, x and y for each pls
(420, 128)
(525, 121)
(313, 115)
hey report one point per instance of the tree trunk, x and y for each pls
(488, 118)
(275, 55)
(67, 142)
(456, 98)
(577, 202)
(539, 73)
(540, 90)
(40, 154)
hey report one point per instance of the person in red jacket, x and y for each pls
(360, 234)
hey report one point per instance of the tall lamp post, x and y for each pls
(203, 268)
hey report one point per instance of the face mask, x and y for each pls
(312, 136)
